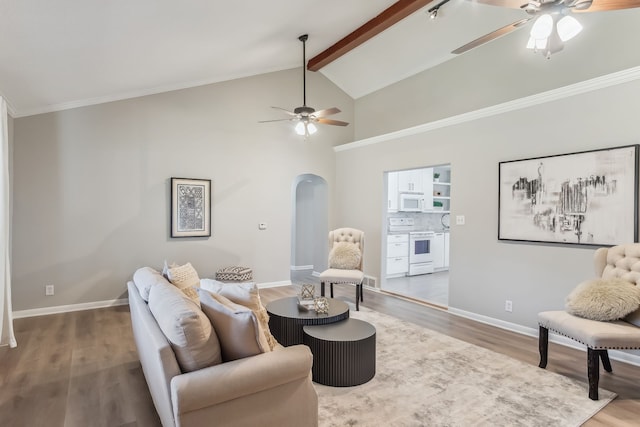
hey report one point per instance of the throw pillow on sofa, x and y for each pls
(236, 325)
(345, 256)
(144, 278)
(245, 294)
(603, 299)
(185, 278)
(192, 338)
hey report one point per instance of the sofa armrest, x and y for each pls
(216, 384)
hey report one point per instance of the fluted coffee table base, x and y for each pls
(344, 353)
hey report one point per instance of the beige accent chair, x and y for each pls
(621, 261)
(340, 276)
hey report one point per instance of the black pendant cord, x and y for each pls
(303, 38)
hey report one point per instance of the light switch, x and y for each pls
(262, 226)
(459, 219)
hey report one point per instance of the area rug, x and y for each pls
(424, 378)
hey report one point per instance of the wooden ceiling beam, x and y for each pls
(394, 13)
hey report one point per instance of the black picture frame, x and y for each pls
(581, 198)
(190, 207)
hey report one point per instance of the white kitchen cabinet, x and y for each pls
(392, 192)
(410, 181)
(446, 250)
(437, 250)
(397, 255)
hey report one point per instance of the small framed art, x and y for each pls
(190, 207)
(584, 198)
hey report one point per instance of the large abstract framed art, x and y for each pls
(585, 198)
(190, 207)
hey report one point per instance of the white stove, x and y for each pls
(420, 255)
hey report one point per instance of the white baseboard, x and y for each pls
(315, 274)
(274, 284)
(68, 308)
(555, 338)
(301, 267)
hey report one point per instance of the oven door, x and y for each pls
(420, 248)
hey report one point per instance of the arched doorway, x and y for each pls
(309, 227)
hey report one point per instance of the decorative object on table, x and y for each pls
(307, 292)
(306, 304)
(321, 305)
(190, 207)
(586, 198)
(234, 274)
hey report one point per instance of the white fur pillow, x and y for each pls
(345, 256)
(603, 299)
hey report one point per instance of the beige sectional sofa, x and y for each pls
(273, 388)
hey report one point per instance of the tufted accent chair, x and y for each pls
(339, 276)
(623, 262)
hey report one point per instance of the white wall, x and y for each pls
(92, 184)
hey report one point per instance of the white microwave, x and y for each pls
(411, 202)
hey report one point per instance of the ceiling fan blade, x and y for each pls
(604, 5)
(331, 122)
(326, 112)
(291, 113)
(491, 36)
(513, 4)
(277, 120)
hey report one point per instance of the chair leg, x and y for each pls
(593, 371)
(331, 287)
(358, 287)
(606, 363)
(543, 346)
(361, 293)
(321, 289)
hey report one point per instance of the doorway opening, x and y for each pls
(309, 228)
(415, 230)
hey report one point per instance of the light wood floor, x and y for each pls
(81, 369)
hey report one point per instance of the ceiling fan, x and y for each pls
(304, 115)
(553, 24)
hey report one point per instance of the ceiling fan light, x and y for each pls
(542, 28)
(311, 128)
(300, 130)
(568, 28)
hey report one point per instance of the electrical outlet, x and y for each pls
(48, 290)
(459, 219)
(508, 306)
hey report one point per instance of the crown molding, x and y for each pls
(608, 80)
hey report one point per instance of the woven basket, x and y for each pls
(234, 274)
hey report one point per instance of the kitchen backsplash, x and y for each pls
(426, 221)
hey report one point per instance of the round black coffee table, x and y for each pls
(286, 319)
(344, 353)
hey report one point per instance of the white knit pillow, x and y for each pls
(345, 256)
(603, 299)
(185, 278)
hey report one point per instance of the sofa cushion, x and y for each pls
(236, 325)
(188, 330)
(603, 299)
(185, 278)
(345, 256)
(245, 294)
(144, 278)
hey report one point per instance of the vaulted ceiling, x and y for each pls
(65, 53)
